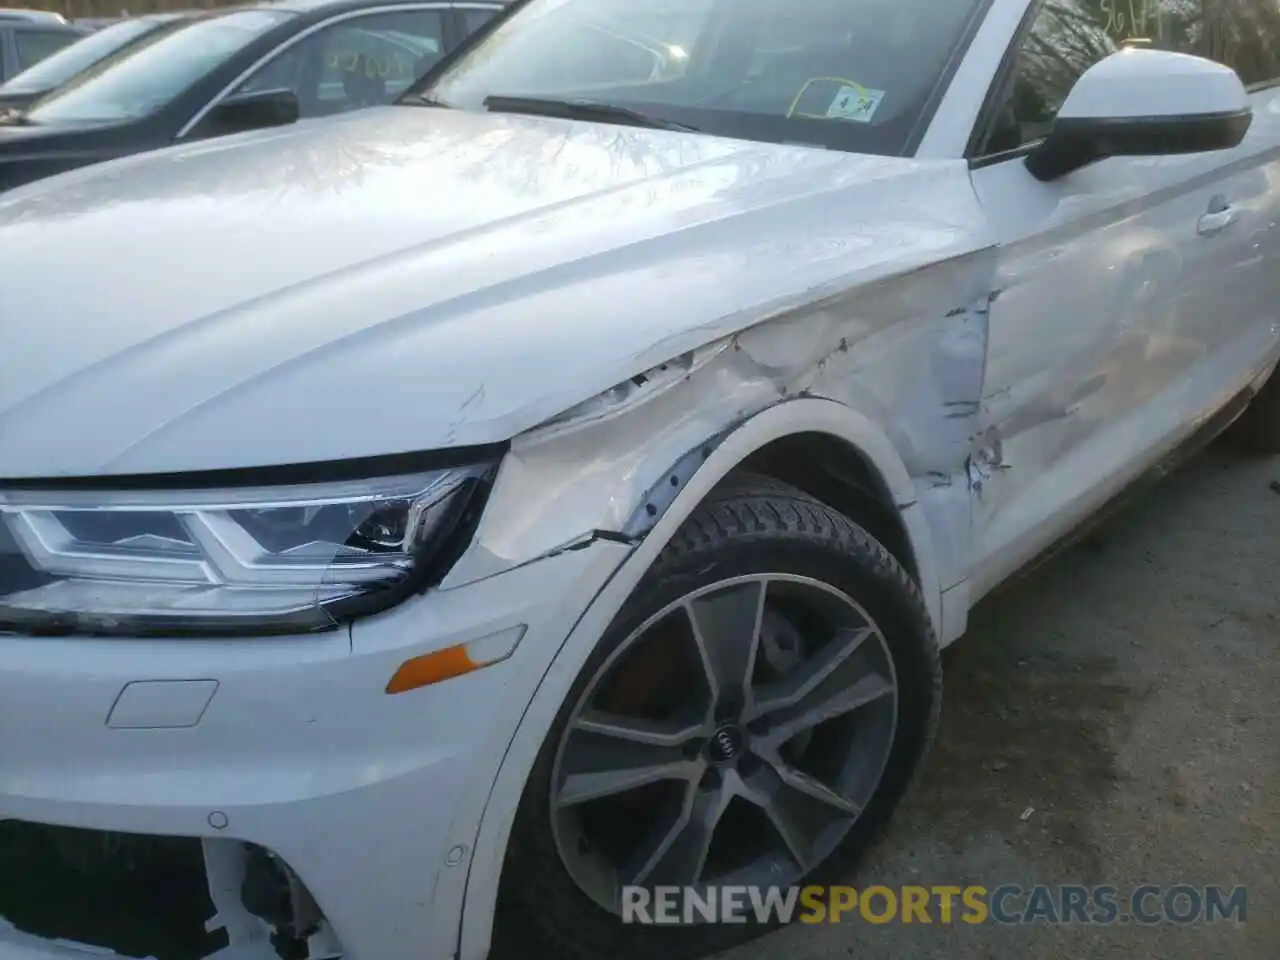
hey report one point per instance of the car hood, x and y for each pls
(411, 278)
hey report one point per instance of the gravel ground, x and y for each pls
(1127, 692)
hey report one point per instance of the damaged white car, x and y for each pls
(417, 528)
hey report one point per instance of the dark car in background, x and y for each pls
(234, 70)
(96, 23)
(82, 55)
(28, 36)
(31, 16)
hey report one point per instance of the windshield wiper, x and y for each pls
(581, 110)
(422, 100)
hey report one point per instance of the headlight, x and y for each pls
(253, 560)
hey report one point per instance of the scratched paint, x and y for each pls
(908, 352)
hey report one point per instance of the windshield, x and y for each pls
(844, 74)
(156, 72)
(55, 70)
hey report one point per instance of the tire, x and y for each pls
(752, 525)
(1257, 431)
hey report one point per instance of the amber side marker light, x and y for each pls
(455, 661)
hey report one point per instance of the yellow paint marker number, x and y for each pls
(1127, 20)
(391, 67)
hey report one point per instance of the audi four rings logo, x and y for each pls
(725, 744)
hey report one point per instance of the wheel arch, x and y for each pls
(809, 431)
(835, 472)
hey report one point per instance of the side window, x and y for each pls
(34, 45)
(473, 19)
(282, 72)
(357, 62)
(1063, 42)
(1069, 36)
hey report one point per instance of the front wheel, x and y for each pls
(751, 718)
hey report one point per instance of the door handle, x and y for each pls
(1219, 216)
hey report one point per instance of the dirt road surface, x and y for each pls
(1128, 694)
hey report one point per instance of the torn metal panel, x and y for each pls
(225, 862)
(324, 945)
(907, 352)
(555, 488)
(923, 375)
(921, 368)
(987, 460)
(660, 497)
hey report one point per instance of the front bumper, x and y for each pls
(372, 800)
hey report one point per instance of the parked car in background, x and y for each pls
(31, 16)
(26, 40)
(96, 23)
(90, 52)
(235, 70)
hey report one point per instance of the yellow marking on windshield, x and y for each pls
(791, 110)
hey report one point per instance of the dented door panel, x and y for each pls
(1084, 283)
(1117, 325)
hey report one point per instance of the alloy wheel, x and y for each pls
(734, 738)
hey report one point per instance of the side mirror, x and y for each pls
(253, 111)
(1144, 103)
